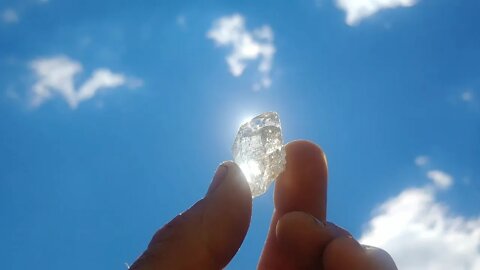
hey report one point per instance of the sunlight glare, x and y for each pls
(250, 169)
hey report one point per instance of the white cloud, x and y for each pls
(421, 161)
(440, 179)
(182, 20)
(230, 31)
(421, 234)
(358, 10)
(101, 78)
(134, 83)
(467, 96)
(9, 16)
(56, 75)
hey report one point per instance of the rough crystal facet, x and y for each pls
(258, 150)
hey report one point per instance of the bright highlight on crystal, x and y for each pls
(258, 150)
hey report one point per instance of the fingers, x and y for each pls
(380, 258)
(301, 187)
(304, 238)
(303, 184)
(299, 240)
(208, 234)
(346, 253)
(314, 245)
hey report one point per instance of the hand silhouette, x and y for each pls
(208, 235)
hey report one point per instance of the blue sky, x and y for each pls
(114, 116)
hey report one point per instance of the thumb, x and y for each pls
(207, 235)
(347, 253)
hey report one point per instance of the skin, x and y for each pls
(208, 235)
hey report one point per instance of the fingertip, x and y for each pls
(343, 253)
(347, 253)
(303, 143)
(236, 175)
(305, 149)
(303, 237)
(298, 229)
(227, 216)
(380, 258)
(294, 223)
(299, 219)
(303, 184)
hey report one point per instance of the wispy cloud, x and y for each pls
(246, 46)
(421, 233)
(422, 161)
(55, 75)
(440, 178)
(9, 15)
(467, 96)
(181, 21)
(357, 10)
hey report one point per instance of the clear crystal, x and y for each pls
(258, 150)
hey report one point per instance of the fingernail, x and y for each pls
(218, 178)
(317, 221)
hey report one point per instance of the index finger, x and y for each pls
(207, 235)
(301, 187)
(303, 184)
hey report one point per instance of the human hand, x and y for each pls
(208, 235)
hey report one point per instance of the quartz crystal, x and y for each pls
(258, 150)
